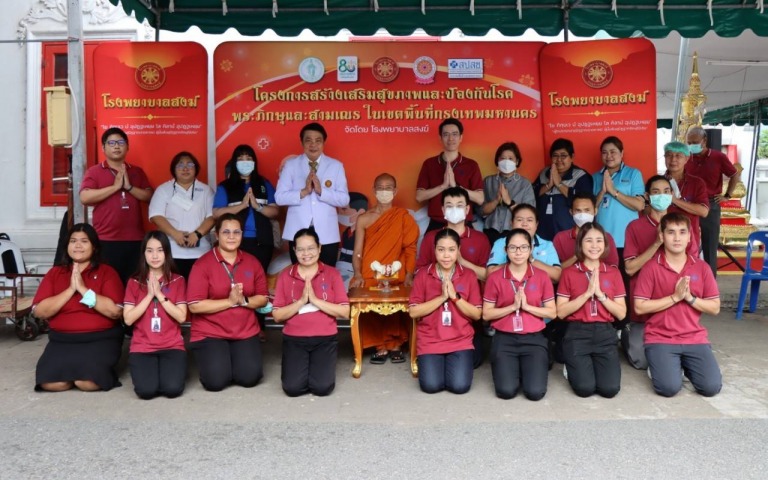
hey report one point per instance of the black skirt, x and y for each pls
(81, 356)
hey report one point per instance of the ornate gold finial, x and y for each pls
(692, 103)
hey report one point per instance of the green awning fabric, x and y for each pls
(752, 113)
(584, 18)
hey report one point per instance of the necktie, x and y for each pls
(313, 166)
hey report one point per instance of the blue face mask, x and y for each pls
(695, 149)
(661, 201)
(245, 167)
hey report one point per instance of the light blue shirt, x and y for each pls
(611, 213)
(543, 251)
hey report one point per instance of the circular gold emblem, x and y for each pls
(150, 76)
(597, 74)
(385, 69)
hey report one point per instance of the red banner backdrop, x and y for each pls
(157, 93)
(381, 103)
(594, 89)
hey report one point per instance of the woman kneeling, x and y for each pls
(590, 297)
(155, 304)
(81, 301)
(309, 297)
(445, 300)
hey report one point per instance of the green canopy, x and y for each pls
(753, 113)
(584, 18)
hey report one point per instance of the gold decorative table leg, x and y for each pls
(414, 365)
(354, 319)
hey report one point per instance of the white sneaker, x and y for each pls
(648, 371)
(565, 372)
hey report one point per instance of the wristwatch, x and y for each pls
(692, 300)
(458, 297)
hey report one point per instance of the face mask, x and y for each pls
(384, 196)
(345, 220)
(245, 167)
(581, 218)
(455, 214)
(661, 201)
(695, 149)
(507, 166)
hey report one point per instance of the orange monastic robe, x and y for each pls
(393, 236)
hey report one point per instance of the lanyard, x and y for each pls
(230, 274)
(155, 302)
(593, 300)
(193, 189)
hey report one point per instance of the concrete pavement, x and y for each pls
(382, 426)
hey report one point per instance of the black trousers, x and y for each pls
(223, 362)
(184, 266)
(329, 253)
(621, 323)
(123, 257)
(161, 373)
(519, 360)
(263, 254)
(309, 365)
(592, 359)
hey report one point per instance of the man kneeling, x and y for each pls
(674, 289)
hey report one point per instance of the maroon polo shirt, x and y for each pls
(574, 282)
(465, 170)
(565, 245)
(641, 234)
(711, 167)
(144, 340)
(327, 285)
(111, 221)
(475, 248)
(693, 190)
(74, 317)
(432, 337)
(679, 324)
(209, 280)
(500, 292)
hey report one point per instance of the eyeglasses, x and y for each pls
(563, 156)
(231, 233)
(450, 134)
(114, 143)
(309, 250)
(183, 165)
(518, 248)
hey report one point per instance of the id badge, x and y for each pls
(517, 323)
(549, 207)
(155, 326)
(606, 201)
(446, 318)
(124, 202)
(593, 308)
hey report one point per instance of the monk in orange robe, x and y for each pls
(384, 233)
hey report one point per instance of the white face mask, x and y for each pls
(455, 214)
(507, 166)
(385, 196)
(345, 220)
(581, 218)
(245, 167)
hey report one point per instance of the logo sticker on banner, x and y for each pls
(385, 69)
(425, 69)
(150, 76)
(346, 69)
(311, 69)
(597, 74)
(465, 68)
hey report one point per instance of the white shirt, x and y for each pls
(185, 210)
(314, 209)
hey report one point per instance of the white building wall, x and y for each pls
(33, 227)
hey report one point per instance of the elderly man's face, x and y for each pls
(675, 161)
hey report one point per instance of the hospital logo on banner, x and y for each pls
(149, 76)
(597, 74)
(346, 69)
(311, 69)
(465, 68)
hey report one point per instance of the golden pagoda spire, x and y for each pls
(692, 103)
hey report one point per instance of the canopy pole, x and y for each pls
(566, 20)
(755, 156)
(76, 82)
(683, 56)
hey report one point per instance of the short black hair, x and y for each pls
(177, 158)
(583, 195)
(313, 127)
(448, 233)
(113, 131)
(561, 144)
(615, 141)
(653, 180)
(451, 121)
(512, 147)
(93, 237)
(454, 192)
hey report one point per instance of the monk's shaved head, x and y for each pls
(383, 178)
